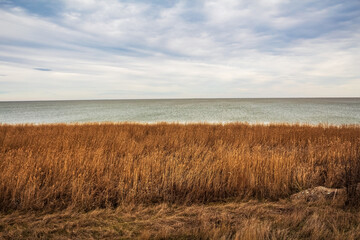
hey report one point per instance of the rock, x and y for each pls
(319, 193)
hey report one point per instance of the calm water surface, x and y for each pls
(305, 110)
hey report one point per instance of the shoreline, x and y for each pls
(301, 124)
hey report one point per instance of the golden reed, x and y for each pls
(88, 166)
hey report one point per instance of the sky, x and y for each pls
(97, 49)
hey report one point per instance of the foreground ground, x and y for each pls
(198, 181)
(247, 220)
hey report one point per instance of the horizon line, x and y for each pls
(190, 98)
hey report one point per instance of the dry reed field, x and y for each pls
(84, 167)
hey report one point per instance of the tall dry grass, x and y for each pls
(105, 165)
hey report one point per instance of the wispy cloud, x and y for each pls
(159, 49)
(43, 69)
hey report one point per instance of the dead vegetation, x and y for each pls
(242, 221)
(92, 166)
(176, 181)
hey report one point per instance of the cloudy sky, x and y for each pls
(112, 49)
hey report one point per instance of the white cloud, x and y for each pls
(112, 49)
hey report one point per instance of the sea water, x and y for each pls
(291, 110)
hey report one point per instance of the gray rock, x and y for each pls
(319, 193)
